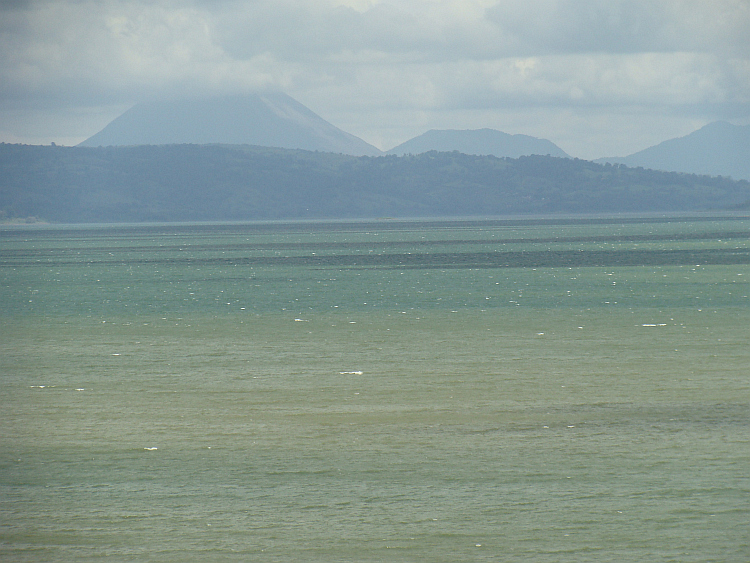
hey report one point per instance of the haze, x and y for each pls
(597, 79)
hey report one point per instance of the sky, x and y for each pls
(596, 77)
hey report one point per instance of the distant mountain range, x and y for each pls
(478, 142)
(273, 119)
(264, 119)
(718, 149)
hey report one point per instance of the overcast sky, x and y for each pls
(597, 77)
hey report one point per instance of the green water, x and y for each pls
(571, 390)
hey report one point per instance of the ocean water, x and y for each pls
(444, 391)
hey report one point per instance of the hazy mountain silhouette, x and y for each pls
(479, 142)
(264, 119)
(718, 149)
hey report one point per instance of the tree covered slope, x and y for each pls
(242, 182)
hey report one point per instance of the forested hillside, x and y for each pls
(240, 182)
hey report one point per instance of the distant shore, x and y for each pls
(22, 221)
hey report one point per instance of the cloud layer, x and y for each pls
(596, 78)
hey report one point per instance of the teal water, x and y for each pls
(572, 390)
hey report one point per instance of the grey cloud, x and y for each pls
(565, 26)
(304, 30)
(9, 5)
(89, 51)
(625, 26)
(361, 63)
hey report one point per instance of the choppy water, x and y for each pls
(387, 391)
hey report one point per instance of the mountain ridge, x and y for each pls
(481, 142)
(716, 149)
(274, 119)
(270, 119)
(186, 182)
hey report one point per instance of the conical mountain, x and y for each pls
(479, 142)
(264, 119)
(717, 149)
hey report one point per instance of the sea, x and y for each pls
(549, 389)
